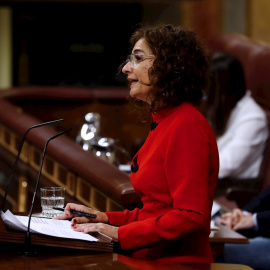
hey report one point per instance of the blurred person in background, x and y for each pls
(253, 221)
(239, 123)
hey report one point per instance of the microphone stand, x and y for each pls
(28, 251)
(18, 155)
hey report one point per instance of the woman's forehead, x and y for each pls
(141, 47)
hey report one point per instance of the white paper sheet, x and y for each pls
(213, 226)
(215, 208)
(52, 227)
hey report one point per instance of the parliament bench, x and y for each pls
(87, 178)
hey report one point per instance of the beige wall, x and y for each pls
(259, 20)
(5, 47)
(247, 17)
(235, 16)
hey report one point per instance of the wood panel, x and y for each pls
(65, 164)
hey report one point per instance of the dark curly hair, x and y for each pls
(179, 71)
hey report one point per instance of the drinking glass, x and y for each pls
(52, 197)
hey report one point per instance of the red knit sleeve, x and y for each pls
(122, 218)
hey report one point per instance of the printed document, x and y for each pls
(52, 227)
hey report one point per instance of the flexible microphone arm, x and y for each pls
(19, 152)
(28, 237)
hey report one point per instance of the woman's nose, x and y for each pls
(126, 68)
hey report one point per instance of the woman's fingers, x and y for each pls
(78, 220)
(106, 229)
(73, 206)
(86, 227)
(76, 207)
(63, 216)
(100, 216)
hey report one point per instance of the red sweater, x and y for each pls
(176, 179)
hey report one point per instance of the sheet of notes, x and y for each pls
(52, 227)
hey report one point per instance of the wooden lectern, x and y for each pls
(59, 253)
(40, 240)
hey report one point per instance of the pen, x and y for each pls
(83, 214)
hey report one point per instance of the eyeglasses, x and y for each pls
(135, 59)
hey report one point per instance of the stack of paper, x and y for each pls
(52, 227)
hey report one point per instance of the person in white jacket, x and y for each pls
(239, 123)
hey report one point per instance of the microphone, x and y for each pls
(19, 152)
(28, 236)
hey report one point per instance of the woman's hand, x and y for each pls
(106, 229)
(87, 225)
(100, 216)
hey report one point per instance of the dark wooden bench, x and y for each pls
(88, 179)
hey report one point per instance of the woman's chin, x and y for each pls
(132, 93)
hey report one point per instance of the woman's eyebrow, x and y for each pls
(138, 51)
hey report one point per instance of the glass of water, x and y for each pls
(52, 197)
